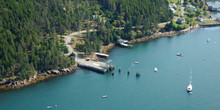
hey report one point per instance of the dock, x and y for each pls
(102, 55)
(100, 67)
(209, 25)
(123, 43)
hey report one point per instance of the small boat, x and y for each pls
(48, 107)
(155, 69)
(138, 74)
(208, 40)
(180, 54)
(189, 87)
(104, 96)
(136, 62)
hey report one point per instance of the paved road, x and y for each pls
(182, 7)
(68, 42)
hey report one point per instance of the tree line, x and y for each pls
(29, 29)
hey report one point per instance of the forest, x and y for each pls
(30, 29)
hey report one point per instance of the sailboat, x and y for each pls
(189, 87)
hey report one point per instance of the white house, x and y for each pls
(193, 8)
(172, 9)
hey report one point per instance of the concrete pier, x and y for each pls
(209, 25)
(100, 67)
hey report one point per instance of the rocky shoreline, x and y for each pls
(156, 35)
(16, 84)
(165, 34)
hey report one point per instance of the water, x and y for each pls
(217, 5)
(214, 3)
(163, 90)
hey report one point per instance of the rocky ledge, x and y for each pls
(8, 84)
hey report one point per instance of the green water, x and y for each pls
(164, 90)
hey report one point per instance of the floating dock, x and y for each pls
(102, 55)
(100, 67)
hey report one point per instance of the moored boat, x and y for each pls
(104, 96)
(155, 69)
(180, 54)
(189, 87)
(136, 62)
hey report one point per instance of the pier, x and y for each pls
(102, 55)
(209, 25)
(100, 67)
(123, 43)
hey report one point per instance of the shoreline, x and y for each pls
(107, 48)
(38, 77)
(164, 34)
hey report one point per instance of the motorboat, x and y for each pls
(136, 62)
(180, 54)
(49, 107)
(155, 69)
(189, 87)
(208, 40)
(104, 96)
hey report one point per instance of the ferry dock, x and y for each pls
(100, 67)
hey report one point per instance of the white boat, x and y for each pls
(189, 87)
(155, 69)
(208, 40)
(48, 107)
(180, 54)
(104, 96)
(136, 62)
